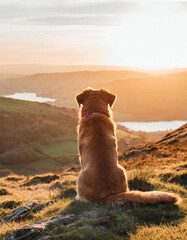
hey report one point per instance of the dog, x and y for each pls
(102, 179)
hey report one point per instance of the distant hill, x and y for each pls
(151, 98)
(140, 96)
(27, 69)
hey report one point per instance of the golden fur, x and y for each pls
(102, 179)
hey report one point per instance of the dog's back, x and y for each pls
(97, 147)
(102, 179)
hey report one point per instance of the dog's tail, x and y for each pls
(137, 197)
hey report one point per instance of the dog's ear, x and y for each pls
(108, 97)
(80, 98)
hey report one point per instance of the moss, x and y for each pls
(3, 191)
(9, 204)
(15, 179)
(41, 179)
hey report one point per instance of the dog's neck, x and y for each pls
(87, 114)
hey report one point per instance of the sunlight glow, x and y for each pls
(144, 34)
(150, 39)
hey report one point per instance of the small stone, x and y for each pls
(86, 226)
(44, 238)
(95, 214)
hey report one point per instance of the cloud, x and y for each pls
(71, 12)
(104, 20)
(106, 7)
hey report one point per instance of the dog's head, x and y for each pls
(95, 100)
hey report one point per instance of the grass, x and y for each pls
(159, 222)
(41, 179)
(60, 148)
(27, 128)
(167, 231)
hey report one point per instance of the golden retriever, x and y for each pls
(102, 179)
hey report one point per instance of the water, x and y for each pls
(153, 126)
(30, 97)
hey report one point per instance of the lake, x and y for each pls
(153, 126)
(30, 97)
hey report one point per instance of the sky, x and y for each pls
(147, 34)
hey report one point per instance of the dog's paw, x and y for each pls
(77, 198)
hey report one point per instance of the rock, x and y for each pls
(44, 238)
(20, 213)
(28, 231)
(25, 212)
(86, 226)
(95, 215)
(99, 218)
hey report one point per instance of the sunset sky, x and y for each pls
(148, 34)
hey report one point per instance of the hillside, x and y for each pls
(170, 149)
(141, 96)
(38, 137)
(53, 213)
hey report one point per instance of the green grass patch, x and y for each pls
(90, 233)
(60, 148)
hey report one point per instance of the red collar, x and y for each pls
(87, 114)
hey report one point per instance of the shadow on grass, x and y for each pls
(128, 217)
(179, 178)
(140, 184)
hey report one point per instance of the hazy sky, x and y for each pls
(144, 34)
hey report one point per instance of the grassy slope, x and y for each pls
(130, 222)
(37, 133)
(169, 149)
